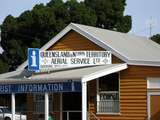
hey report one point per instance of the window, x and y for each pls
(39, 102)
(108, 94)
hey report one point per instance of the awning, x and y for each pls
(67, 80)
(76, 74)
(84, 74)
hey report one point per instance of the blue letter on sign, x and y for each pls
(33, 59)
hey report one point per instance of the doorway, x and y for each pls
(154, 105)
(72, 106)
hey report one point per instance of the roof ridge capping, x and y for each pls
(76, 25)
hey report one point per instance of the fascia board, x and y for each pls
(104, 72)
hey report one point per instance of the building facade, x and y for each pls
(127, 89)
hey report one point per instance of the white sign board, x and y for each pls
(54, 59)
(63, 59)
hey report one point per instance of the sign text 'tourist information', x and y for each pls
(46, 60)
(40, 87)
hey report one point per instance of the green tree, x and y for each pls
(81, 13)
(3, 64)
(156, 38)
(44, 23)
(8, 29)
(62, 15)
(110, 14)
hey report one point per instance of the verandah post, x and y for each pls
(84, 100)
(13, 105)
(46, 106)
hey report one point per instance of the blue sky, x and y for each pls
(144, 13)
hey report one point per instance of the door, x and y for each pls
(72, 106)
(155, 107)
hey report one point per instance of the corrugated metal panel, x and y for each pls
(76, 73)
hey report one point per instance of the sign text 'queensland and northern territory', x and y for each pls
(43, 60)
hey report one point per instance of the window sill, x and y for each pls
(108, 113)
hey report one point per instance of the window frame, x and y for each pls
(98, 97)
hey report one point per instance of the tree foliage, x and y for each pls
(36, 27)
(110, 14)
(156, 38)
(3, 64)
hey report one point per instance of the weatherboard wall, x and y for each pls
(134, 72)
